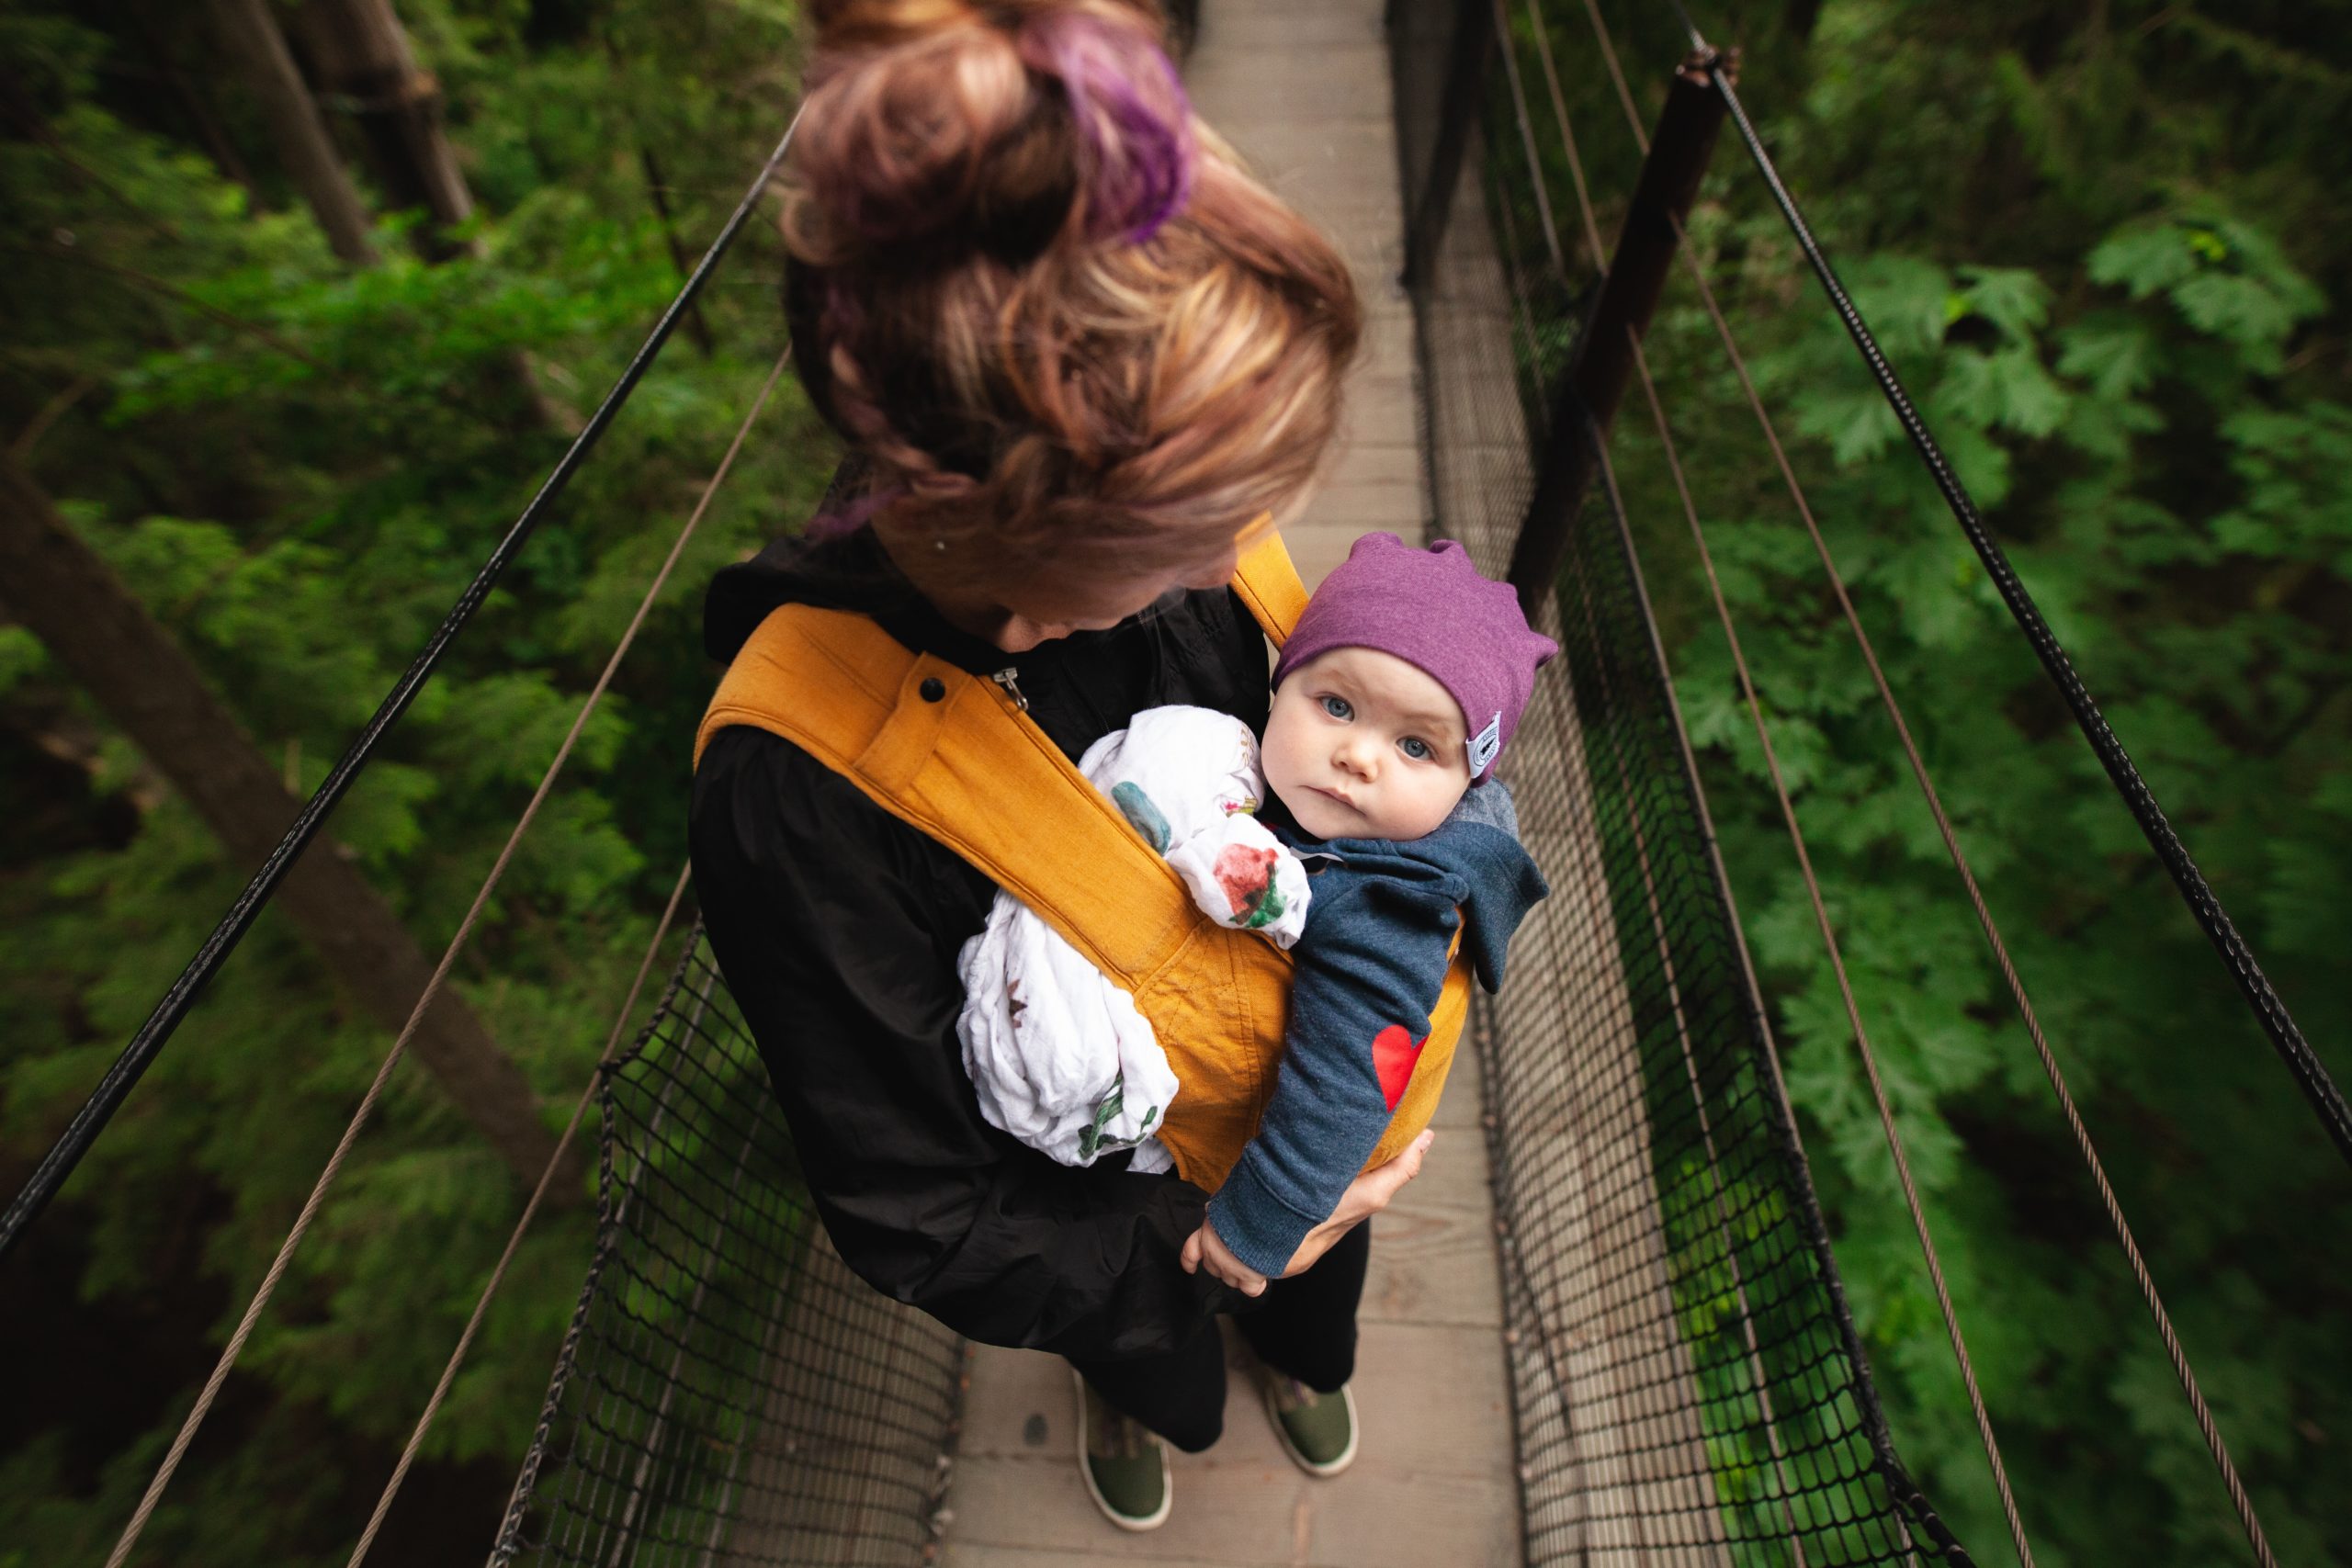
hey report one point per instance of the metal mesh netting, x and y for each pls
(1687, 1381)
(729, 1393)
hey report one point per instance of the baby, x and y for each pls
(1398, 690)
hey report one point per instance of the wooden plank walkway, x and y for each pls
(1432, 1484)
(1616, 1466)
(1302, 88)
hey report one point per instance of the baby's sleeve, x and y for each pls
(1370, 967)
(1188, 778)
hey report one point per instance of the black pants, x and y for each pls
(1304, 1328)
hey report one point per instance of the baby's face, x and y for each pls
(1363, 745)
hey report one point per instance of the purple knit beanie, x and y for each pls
(1432, 609)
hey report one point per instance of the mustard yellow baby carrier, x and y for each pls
(952, 755)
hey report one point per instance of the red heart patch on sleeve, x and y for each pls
(1394, 1055)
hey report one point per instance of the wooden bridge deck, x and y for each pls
(1302, 88)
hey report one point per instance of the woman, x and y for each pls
(1079, 355)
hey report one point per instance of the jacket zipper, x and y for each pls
(1009, 678)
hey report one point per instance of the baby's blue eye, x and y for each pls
(1416, 748)
(1338, 707)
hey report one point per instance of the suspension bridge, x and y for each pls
(1606, 1327)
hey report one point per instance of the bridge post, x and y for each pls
(1470, 56)
(1584, 404)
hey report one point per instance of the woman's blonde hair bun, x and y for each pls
(1071, 333)
(993, 127)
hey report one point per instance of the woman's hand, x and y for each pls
(1206, 1250)
(1365, 1197)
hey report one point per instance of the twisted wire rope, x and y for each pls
(2208, 1428)
(1753, 1350)
(180, 997)
(235, 1347)
(514, 1238)
(2327, 1102)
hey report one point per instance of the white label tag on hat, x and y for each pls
(1484, 744)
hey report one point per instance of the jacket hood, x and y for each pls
(1494, 880)
(846, 572)
(842, 571)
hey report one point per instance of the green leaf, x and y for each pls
(2013, 298)
(2101, 429)
(2115, 351)
(1930, 579)
(2145, 258)
(2007, 388)
(1905, 299)
(2243, 311)
(1857, 424)
(21, 654)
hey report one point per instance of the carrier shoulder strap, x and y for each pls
(948, 753)
(1269, 584)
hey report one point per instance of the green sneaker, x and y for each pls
(1124, 1463)
(1318, 1430)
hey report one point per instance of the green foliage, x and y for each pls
(298, 466)
(2096, 246)
(2099, 245)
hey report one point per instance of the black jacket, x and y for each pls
(836, 927)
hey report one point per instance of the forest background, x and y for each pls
(2103, 243)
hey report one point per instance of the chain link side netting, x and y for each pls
(1688, 1384)
(728, 1392)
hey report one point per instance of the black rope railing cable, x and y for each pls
(2216, 1448)
(614, 1196)
(1587, 1179)
(2310, 1076)
(521, 1223)
(1881, 1439)
(1914, 1505)
(1882, 1448)
(1805, 865)
(271, 1280)
(1752, 1349)
(1878, 1089)
(135, 1057)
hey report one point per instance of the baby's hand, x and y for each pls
(1204, 1247)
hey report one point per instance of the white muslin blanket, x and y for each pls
(1059, 1055)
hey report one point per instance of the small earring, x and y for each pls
(939, 544)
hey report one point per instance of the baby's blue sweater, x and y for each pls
(1370, 964)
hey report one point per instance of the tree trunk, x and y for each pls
(101, 632)
(360, 55)
(249, 35)
(696, 328)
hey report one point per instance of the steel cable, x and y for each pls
(2176, 1356)
(2310, 1075)
(310, 1205)
(1797, 842)
(135, 1057)
(514, 1238)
